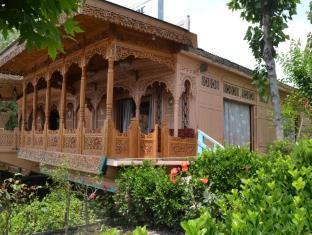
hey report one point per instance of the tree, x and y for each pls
(269, 20)
(38, 22)
(297, 65)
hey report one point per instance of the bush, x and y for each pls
(225, 168)
(276, 200)
(147, 196)
(48, 214)
(284, 147)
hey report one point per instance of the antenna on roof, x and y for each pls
(161, 9)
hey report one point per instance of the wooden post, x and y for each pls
(62, 109)
(155, 141)
(133, 138)
(82, 105)
(23, 114)
(108, 124)
(47, 111)
(33, 126)
(110, 88)
(164, 140)
(176, 116)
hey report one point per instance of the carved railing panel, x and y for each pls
(93, 142)
(53, 140)
(120, 144)
(70, 141)
(148, 144)
(38, 140)
(182, 147)
(8, 139)
(177, 146)
(27, 139)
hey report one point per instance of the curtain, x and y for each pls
(126, 114)
(236, 123)
(150, 114)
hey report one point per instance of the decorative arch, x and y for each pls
(97, 50)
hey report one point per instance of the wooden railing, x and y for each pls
(175, 147)
(109, 142)
(9, 140)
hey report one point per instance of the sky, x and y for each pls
(221, 31)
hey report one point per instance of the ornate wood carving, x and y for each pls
(126, 21)
(210, 82)
(122, 52)
(79, 162)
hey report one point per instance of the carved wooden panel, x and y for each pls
(78, 162)
(93, 143)
(7, 139)
(182, 147)
(249, 95)
(231, 89)
(210, 83)
(38, 140)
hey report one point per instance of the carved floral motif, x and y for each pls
(122, 146)
(129, 22)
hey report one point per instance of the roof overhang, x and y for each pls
(94, 17)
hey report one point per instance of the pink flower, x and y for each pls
(174, 171)
(204, 180)
(184, 166)
(92, 196)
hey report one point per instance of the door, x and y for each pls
(237, 123)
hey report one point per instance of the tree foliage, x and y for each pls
(268, 19)
(297, 64)
(38, 22)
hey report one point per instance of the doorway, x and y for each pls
(237, 123)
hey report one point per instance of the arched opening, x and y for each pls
(29, 112)
(40, 117)
(56, 85)
(54, 122)
(124, 109)
(29, 121)
(96, 91)
(101, 112)
(156, 105)
(73, 80)
(40, 114)
(70, 116)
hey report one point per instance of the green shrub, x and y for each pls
(302, 153)
(276, 200)
(285, 147)
(225, 168)
(48, 214)
(147, 196)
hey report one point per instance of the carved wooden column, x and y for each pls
(176, 116)
(23, 114)
(110, 88)
(47, 111)
(108, 124)
(81, 124)
(33, 126)
(62, 108)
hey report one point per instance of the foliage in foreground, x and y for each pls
(149, 195)
(277, 200)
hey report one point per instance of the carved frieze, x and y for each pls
(126, 21)
(122, 52)
(84, 163)
(210, 82)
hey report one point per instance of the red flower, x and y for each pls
(184, 166)
(174, 171)
(204, 180)
(92, 196)
(173, 180)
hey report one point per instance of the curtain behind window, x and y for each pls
(236, 123)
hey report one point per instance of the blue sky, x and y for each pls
(221, 31)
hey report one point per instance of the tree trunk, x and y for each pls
(271, 69)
